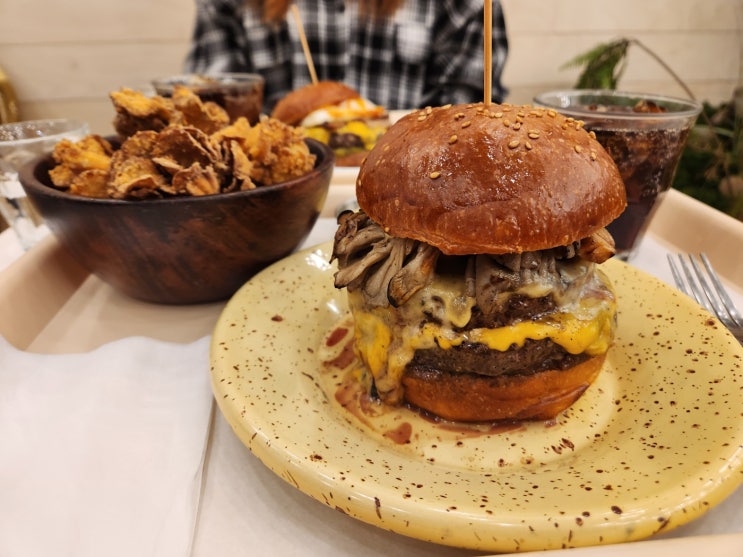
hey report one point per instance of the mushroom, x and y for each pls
(359, 244)
(492, 278)
(377, 284)
(414, 275)
(357, 272)
(370, 259)
(390, 270)
(598, 247)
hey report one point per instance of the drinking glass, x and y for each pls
(645, 134)
(21, 142)
(240, 94)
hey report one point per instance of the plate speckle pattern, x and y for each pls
(655, 442)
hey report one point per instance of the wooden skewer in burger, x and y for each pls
(472, 265)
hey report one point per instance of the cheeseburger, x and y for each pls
(336, 115)
(472, 264)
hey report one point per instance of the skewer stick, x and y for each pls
(488, 40)
(305, 46)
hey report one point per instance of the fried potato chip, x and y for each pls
(167, 165)
(242, 167)
(62, 176)
(140, 144)
(75, 157)
(239, 129)
(197, 180)
(134, 177)
(186, 146)
(137, 104)
(179, 146)
(91, 183)
(137, 112)
(278, 152)
(90, 152)
(208, 116)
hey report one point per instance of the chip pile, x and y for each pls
(179, 146)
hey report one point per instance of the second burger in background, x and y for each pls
(336, 115)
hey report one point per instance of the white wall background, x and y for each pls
(63, 58)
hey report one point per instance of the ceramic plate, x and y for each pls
(654, 442)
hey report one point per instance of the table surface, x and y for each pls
(241, 498)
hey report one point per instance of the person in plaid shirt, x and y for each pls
(400, 54)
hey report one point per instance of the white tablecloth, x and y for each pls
(10, 248)
(102, 452)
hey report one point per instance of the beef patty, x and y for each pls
(532, 357)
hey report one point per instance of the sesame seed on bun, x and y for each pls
(497, 179)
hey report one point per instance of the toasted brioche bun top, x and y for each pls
(293, 108)
(498, 179)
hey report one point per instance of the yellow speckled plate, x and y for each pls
(656, 441)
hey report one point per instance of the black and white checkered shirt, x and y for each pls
(430, 53)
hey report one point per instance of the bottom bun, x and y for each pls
(468, 397)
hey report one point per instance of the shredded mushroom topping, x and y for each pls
(389, 270)
(378, 264)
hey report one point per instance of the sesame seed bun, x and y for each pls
(499, 179)
(452, 323)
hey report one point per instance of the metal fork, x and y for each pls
(705, 287)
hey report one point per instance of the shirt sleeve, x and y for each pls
(456, 71)
(218, 39)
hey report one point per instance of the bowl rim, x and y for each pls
(29, 181)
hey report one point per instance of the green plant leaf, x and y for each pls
(603, 65)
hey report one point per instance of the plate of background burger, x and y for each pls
(652, 444)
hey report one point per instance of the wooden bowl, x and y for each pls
(182, 250)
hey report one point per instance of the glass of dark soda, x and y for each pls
(240, 94)
(645, 134)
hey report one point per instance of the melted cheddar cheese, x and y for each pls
(369, 131)
(350, 109)
(386, 338)
(358, 117)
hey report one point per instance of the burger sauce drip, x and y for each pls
(339, 359)
(352, 398)
(401, 434)
(346, 356)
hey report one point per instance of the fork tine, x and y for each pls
(692, 284)
(703, 293)
(696, 282)
(677, 278)
(728, 304)
(712, 302)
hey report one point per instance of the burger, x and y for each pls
(336, 115)
(472, 265)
